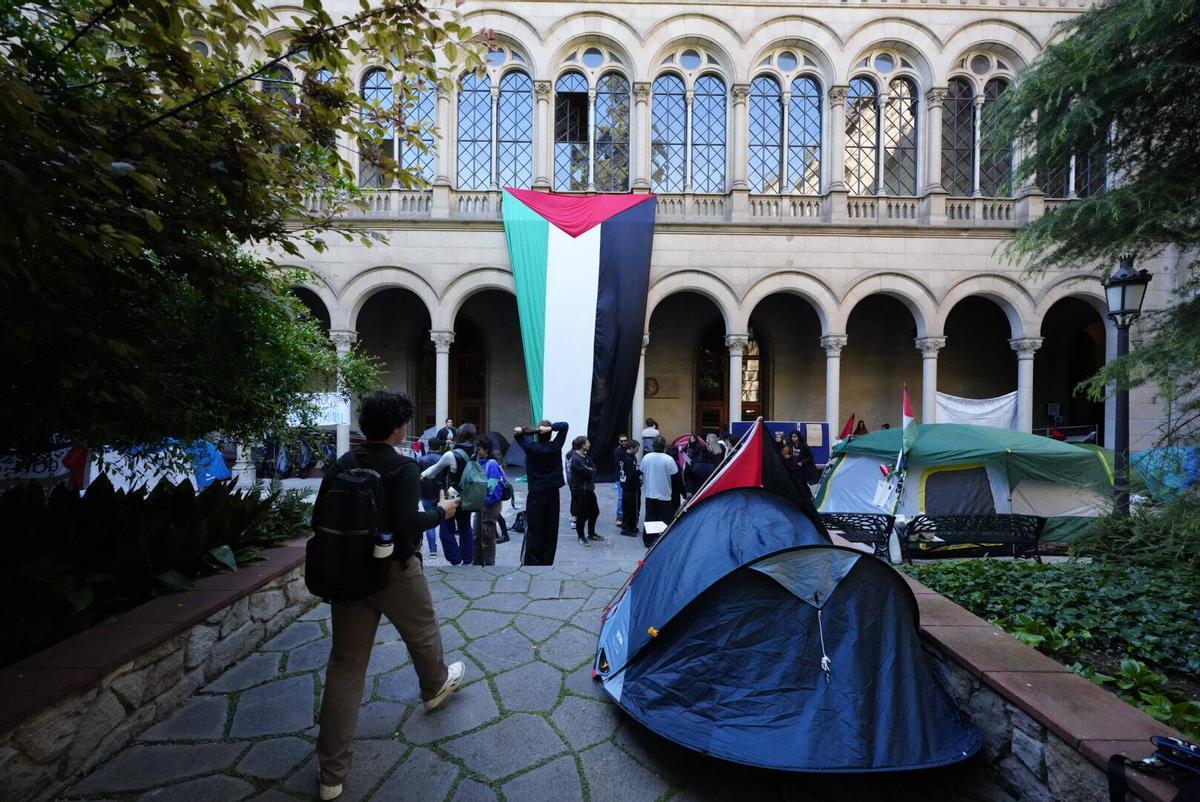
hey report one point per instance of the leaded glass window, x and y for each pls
(900, 139)
(958, 138)
(279, 84)
(708, 135)
(1090, 173)
(804, 136)
(995, 159)
(668, 135)
(380, 97)
(611, 170)
(766, 135)
(420, 114)
(1056, 182)
(475, 132)
(571, 133)
(515, 131)
(862, 136)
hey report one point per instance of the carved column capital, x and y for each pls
(741, 93)
(935, 97)
(833, 344)
(839, 94)
(343, 339)
(641, 92)
(441, 341)
(645, 342)
(542, 89)
(929, 346)
(1026, 347)
(737, 343)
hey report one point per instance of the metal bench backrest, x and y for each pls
(862, 527)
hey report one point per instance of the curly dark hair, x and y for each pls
(382, 412)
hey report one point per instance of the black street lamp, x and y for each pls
(1125, 290)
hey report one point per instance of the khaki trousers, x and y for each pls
(407, 604)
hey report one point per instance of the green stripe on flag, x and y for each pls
(528, 234)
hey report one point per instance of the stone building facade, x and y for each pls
(829, 226)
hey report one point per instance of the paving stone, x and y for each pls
(295, 635)
(502, 650)
(285, 705)
(537, 628)
(254, 669)
(471, 588)
(451, 637)
(310, 656)
(534, 686)
(545, 589)
(568, 648)
(270, 760)
(275, 795)
(386, 633)
(598, 599)
(585, 722)
(612, 580)
(613, 777)
(372, 760)
(402, 685)
(440, 591)
(557, 780)
(387, 657)
(205, 789)
(562, 609)
(580, 681)
(471, 791)
(576, 589)
(588, 620)
(450, 608)
(512, 583)
(380, 719)
(472, 706)
(477, 623)
(145, 766)
(320, 612)
(662, 757)
(202, 719)
(422, 776)
(507, 603)
(512, 744)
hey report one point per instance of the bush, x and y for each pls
(74, 560)
(1165, 534)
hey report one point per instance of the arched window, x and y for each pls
(279, 84)
(380, 97)
(862, 136)
(515, 130)
(958, 138)
(1091, 174)
(900, 139)
(995, 159)
(804, 136)
(475, 132)
(420, 114)
(668, 135)
(571, 133)
(708, 135)
(611, 169)
(766, 135)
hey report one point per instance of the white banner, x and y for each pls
(1000, 412)
(332, 409)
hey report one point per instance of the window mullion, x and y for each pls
(591, 171)
(495, 152)
(687, 141)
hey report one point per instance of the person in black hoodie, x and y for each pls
(584, 506)
(630, 477)
(544, 472)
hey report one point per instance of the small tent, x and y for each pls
(745, 634)
(1168, 471)
(960, 469)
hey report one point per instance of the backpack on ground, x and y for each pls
(473, 486)
(339, 564)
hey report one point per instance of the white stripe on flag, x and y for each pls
(572, 283)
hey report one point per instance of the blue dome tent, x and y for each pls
(745, 634)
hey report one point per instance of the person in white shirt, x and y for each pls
(648, 435)
(657, 470)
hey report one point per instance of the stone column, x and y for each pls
(929, 347)
(933, 200)
(343, 341)
(975, 190)
(837, 210)
(638, 414)
(495, 165)
(443, 159)
(737, 344)
(243, 466)
(543, 136)
(641, 136)
(689, 96)
(591, 171)
(740, 136)
(441, 347)
(1025, 347)
(784, 179)
(833, 345)
(880, 150)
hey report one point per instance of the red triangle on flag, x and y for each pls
(908, 407)
(576, 214)
(743, 469)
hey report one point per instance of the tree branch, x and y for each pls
(92, 23)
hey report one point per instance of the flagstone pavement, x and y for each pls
(528, 724)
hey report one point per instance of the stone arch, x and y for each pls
(726, 67)
(910, 292)
(516, 30)
(557, 67)
(706, 284)
(576, 29)
(359, 289)
(1006, 293)
(918, 41)
(805, 33)
(987, 34)
(810, 289)
(1084, 286)
(699, 29)
(463, 287)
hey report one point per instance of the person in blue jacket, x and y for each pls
(544, 472)
(485, 540)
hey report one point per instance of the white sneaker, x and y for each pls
(453, 681)
(329, 792)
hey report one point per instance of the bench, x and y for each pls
(932, 532)
(862, 527)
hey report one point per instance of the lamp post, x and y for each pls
(1125, 290)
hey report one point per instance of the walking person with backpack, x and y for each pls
(485, 540)
(464, 478)
(431, 489)
(364, 559)
(582, 475)
(544, 472)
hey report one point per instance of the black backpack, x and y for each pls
(339, 564)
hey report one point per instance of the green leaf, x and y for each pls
(225, 556)
(174, 580)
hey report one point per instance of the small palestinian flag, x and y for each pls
(908, 429)
(582, 271)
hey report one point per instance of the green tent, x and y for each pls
(957, 469)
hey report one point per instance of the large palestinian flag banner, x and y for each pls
(582, 272)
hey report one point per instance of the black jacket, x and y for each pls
(401, 494)
(543, 459)
(583, 473)
(627, 469)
